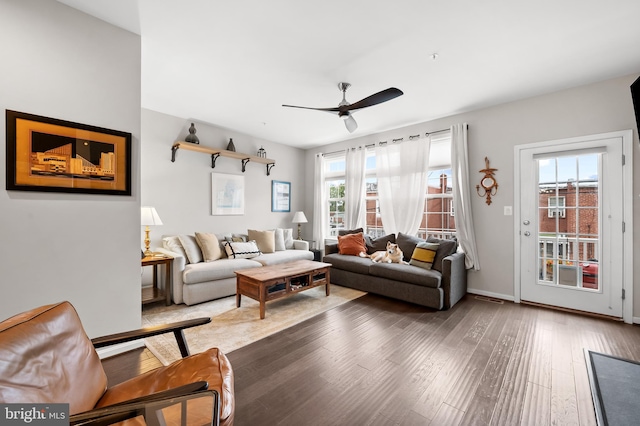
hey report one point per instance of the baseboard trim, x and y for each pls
(119, 349)
(491, 294)
(636, 320)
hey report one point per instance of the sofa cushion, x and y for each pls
(407, 243)
(355, 264)
(209, 245)
(406, 273)
(173, 244)
(278, 237)
(378, 244)
(351, 244)
(242, 250)
(350, 231)
(218, 270)
(288, 238)
(283, 257)
(264, 239)
(191, 247)
(423, 255)
(445, 248)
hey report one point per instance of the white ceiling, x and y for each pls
(234, 63)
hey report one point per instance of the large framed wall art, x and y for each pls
(47, 154)
(227, 194)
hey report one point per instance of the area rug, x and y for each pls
(615, 385)
(232, 328)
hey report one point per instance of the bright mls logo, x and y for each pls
(34, 414)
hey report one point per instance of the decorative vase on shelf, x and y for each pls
(262, 153)
(191, 137)
(231, 146)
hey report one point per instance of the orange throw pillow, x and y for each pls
(352, 244)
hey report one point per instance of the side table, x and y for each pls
(155, 293)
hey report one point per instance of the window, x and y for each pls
(438, 219)
(438, 213)
(556, 207)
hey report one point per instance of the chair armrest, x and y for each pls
(134, 407)
(176, 328)
(300, 245)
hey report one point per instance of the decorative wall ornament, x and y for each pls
(191, 137)
(488, 182)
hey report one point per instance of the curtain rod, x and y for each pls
(393, 141)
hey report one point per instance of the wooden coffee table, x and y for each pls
(277, 281)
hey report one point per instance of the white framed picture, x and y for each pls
(227, 194)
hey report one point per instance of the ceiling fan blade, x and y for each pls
(375, 99)
(350, 123)
(317, 109)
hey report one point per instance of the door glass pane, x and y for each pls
(568, 221)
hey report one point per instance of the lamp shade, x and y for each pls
(299, 217)
(149, 216)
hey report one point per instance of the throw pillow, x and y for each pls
(445, 248)
(173, 244)
(423, 255)
(209, 245)
(350, 231)
(264, 239)
(288, 238)
(239, 238)
(279, 239)
(191, 247)
(407, 243)
(242, 250)
(379, 244)
(351, 244)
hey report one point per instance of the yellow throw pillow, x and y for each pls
(209, 245)
(423, 255)
(266, 240)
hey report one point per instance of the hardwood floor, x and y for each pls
(376, 361)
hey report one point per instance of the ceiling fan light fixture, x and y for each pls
(344, 115)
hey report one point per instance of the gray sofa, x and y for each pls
(437, 288)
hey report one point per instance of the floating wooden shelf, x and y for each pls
(215, 153)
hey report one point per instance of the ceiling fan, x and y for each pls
(344, 108)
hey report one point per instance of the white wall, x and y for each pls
(181, 191)
(493, 132)
(60, 63)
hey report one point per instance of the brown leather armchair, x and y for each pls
(46, 357)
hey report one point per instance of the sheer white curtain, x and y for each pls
(354, 189)
(402, 184)
(319, 204)
(461, 195)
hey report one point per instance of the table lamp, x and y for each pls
(148, 217)
(299, 218)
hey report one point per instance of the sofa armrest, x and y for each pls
(300, 245)
(331, 248)
(454, 279)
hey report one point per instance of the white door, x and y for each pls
(571, 225)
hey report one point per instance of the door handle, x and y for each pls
(527, 233)
(526, 222)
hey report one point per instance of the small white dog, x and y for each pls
(392, 254)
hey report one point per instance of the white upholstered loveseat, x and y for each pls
(197, 279)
